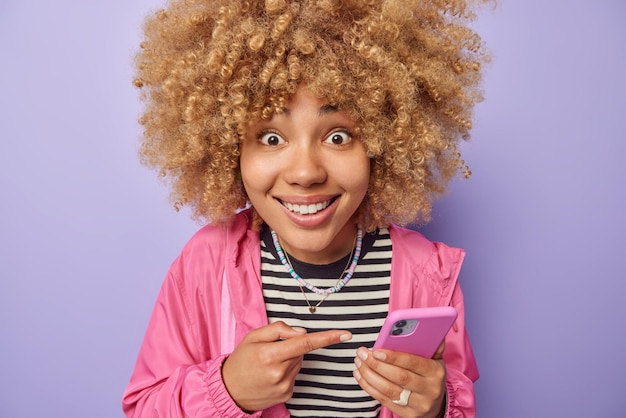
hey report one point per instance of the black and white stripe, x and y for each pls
(325, 386)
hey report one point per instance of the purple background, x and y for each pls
(87, 234)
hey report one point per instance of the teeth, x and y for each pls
(307, 209)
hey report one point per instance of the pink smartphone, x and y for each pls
(417, 331)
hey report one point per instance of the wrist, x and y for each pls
(444, 406)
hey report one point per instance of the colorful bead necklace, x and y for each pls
(330, 290)
(313, 308)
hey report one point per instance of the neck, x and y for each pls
(342, 245)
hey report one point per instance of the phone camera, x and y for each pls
(398, 327)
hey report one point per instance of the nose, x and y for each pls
(305, 166)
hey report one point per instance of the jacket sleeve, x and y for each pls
(461, 367)
(174, 375)
(434, 269)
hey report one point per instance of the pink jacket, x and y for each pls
(212, 297)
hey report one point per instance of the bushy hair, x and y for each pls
(407, 71)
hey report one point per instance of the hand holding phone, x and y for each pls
(417, 331)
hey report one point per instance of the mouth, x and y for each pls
(307, 209)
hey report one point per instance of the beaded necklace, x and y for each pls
(313, 308)
(340, 284)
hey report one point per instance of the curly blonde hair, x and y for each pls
(407, 71)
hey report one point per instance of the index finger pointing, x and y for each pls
(302, 344)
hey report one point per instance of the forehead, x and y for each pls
(304, 103)
(304, 100)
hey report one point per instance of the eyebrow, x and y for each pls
(324, 110)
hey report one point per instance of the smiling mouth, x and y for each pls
(309, 209)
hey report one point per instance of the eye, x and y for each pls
(271, 138)
(339, 138)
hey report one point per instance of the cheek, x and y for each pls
(362, 166)
(255, 175)
(357, 175)
(247, 173)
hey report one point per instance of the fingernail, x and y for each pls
(300, 330)
(362, 353)
(379, 355)
(358, 362)
(357, 375)
(345, 337)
